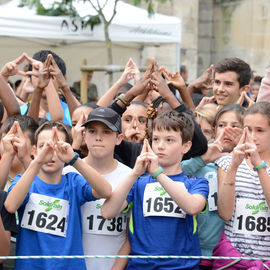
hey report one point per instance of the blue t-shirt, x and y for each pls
(66, 116)
(163, 235)
(76, 191)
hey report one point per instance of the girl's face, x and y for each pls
(207, 129)
(259, 130)
(230, 121)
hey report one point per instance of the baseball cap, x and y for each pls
(107, 116)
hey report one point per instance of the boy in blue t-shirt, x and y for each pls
(48, 202)
(164, 201)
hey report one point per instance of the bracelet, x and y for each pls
(159, 171)
(228, 183)
(76, 156)
(122, 99)
(262, 165)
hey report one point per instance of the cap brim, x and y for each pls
(104, 121)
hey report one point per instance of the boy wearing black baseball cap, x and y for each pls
(103, 236)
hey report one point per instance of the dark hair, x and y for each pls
(257, 80)
(42, 56)
(183, 69)
(27, 124)
(173, 120)
(262, 108)
(60, 127)
(236, 65)
(239, 110)
(92, 105)
(138, 103)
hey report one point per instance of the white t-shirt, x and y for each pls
(249, 227)
(103, 237)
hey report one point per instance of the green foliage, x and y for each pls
(150, 7)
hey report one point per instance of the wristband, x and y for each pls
(122, 99)
(76, 156)
(159, 171)
(262, 165)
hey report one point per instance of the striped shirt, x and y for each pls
(247, 186)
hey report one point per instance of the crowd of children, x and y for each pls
(139, 172)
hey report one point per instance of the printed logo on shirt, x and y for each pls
(162, 189)
(51, 205)
(261, 207)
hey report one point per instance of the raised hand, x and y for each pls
(142, 161)
(206, 100)
(205, 80)
(152, 158)
(175, 79)
(63, 149)
(7, 141)
(57, 74)
(215, 149)
(159, 84)
(11, 68)
(239, 152)
(20, 144)
(251, 151)
(243, 97)
(77, 132)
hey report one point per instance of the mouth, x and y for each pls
(160, 155)
(227, 140)
(50, 163)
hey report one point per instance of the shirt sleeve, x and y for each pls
(9, 220)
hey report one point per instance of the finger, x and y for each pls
(243, 137)
(19, 130)
(144, 148)
(54, 63)
(55, 137)
(20, 59)
(48, 60)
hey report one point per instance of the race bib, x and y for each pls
(251, 217)
(46, 214)
(157, 202)
(212, 197)
(94, 223)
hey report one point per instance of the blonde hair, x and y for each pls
(207, 112)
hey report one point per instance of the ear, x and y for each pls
(245, 88)
(119, 138)
(186, 146)
(34, 151)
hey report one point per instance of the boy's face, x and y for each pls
(101, 140)
(226, 88)
(55, 165)
(168, 146)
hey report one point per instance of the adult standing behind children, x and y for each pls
(103, 236)
(165, 201)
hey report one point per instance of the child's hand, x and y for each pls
(152, 158)
(142, 161)
(252, 152)
(233, 133)
(215, 149)
(57, 74)
(20, 143)
(175, 79)
(63, 149)
(77, 132)
(11, 68)
(46, 154)
(239, 151)
(7, 142)
(243, 97)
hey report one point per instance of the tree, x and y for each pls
(67, 8)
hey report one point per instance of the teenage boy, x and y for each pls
(100, 236)
(165, 201)
(49, 203)
(232, 77)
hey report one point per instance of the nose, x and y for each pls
(160, 144)
(134, 123)
(98, 136)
